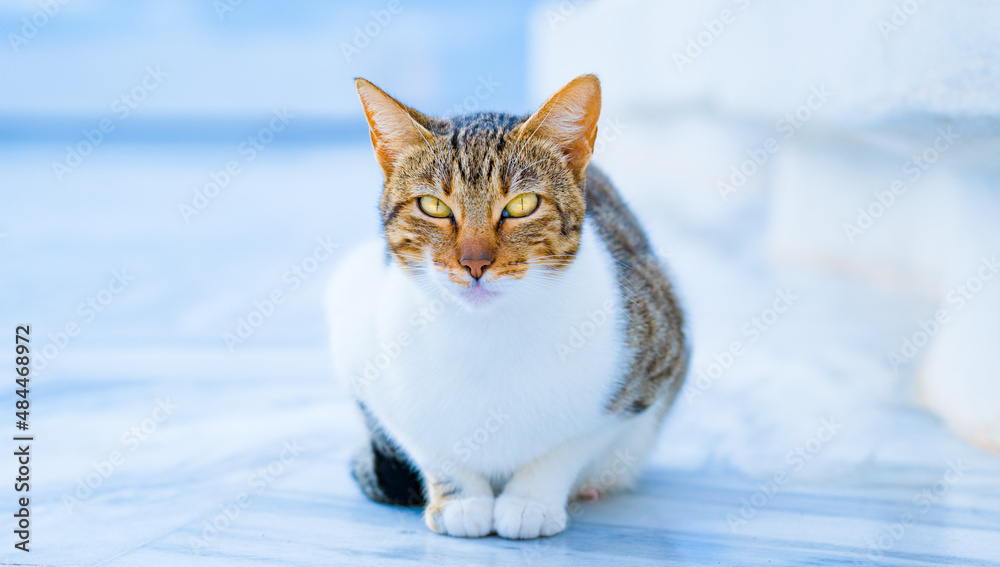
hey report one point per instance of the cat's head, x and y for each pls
(482, 205)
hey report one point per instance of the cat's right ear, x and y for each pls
(393, 126)
(569, 118)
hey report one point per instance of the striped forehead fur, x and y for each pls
(477, 162)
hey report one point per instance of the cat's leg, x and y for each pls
(617, 468)
(460, 501)
(533, 503)
(383, 471)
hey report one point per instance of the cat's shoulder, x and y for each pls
(654, 329)
(615, 223)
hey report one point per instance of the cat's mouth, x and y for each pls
(478, 295)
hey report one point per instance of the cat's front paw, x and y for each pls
(461, 517)
(521, 518)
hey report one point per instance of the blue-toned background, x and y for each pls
(181, 87)
(179, 179)
(229, 63)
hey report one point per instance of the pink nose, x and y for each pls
(476, 267)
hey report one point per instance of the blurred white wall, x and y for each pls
(859, 135)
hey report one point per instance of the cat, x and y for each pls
(513, 342)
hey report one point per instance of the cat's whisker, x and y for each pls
(552, 256)
(517, 184)
(565, 260)
(553, 259)
(551, 262)
(518, 173)
(420, 130)
(628, 297)
(420, 259)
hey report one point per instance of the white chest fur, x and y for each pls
(489, 390)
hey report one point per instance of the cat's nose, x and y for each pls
(476, 266)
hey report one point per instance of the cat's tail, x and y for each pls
(385, 474)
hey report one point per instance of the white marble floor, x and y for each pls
(156, 444)
(199, 493)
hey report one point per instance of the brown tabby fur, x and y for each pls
(476, 164)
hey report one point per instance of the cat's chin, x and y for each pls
(477, 297)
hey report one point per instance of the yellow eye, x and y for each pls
(522, 205)
(434, 207)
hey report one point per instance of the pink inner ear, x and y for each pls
(390, 124)
(569, 118)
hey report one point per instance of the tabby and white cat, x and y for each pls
(513, 342)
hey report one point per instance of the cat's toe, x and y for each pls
(520, 518)
(462, 517)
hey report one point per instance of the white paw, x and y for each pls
(462, 517)
(519, 518)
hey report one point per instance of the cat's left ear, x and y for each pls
(569, 119)
(394, 127)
